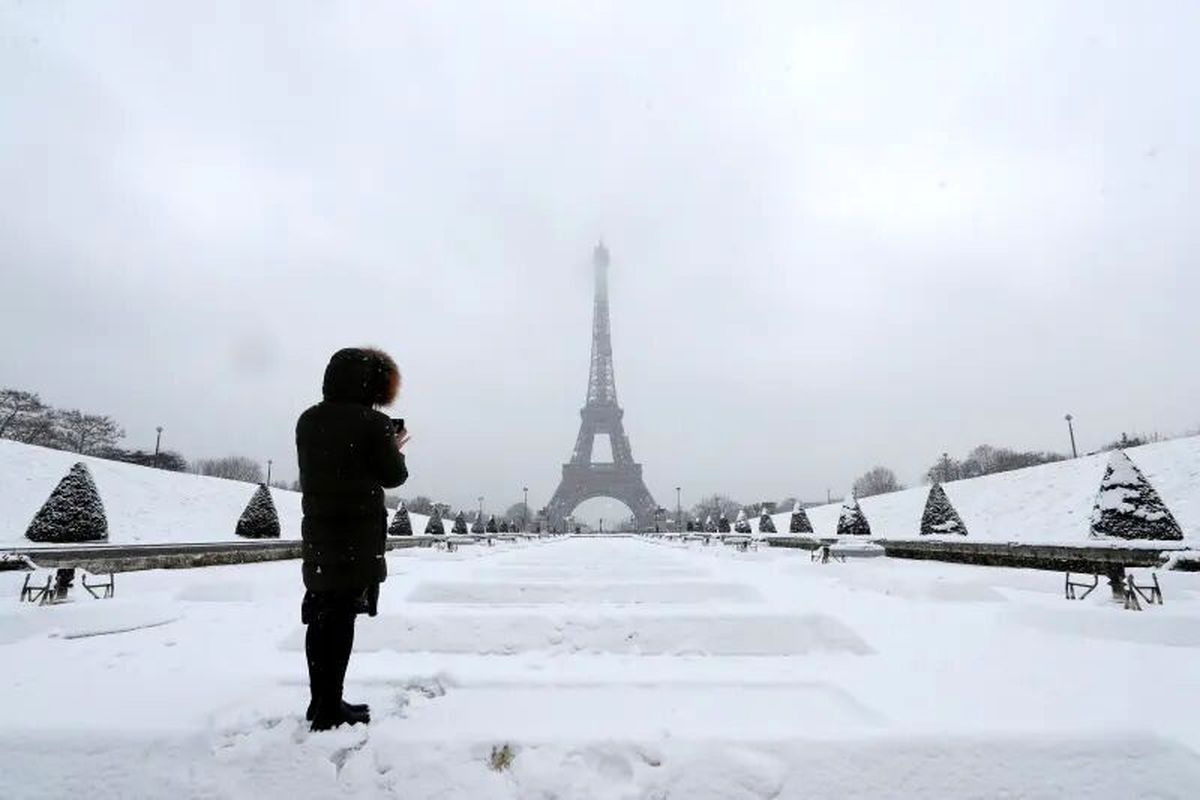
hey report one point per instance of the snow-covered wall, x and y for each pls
(1051, 503)
(144, 505)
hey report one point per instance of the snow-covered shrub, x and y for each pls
(1127, 506)
(435, 526)
(709, 525)
(460, 524)
(491, 525)
(852, 521)
(477, 525)
(765, 523)
(72, 513)
(799, 522)
(742, 525)
(259, 520)
(723, 524)
(401, 524)
(940, 516)
(504, 526)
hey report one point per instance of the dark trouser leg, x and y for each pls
(314, 648)
(329, 617)
(340, 644)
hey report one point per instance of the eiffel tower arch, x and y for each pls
(582, 478)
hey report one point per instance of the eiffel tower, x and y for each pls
(583, 478)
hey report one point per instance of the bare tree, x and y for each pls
(89, 433)
(986, 460)
(42, 429)
(237, 468)
(945, 470)
(518, 514)
(879, 480)
(420, 505)
(716, 506)
(14, 404)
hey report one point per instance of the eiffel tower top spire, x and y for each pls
(602, 386)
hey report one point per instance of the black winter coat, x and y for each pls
(348, 456)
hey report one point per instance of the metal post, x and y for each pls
(481, 510)
(157, 445)
(678, 511)
(269, 472)
(1071, 429)
(525, 511)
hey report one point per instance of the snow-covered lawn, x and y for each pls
(1047, 504)
(143, 505)
(613, 668)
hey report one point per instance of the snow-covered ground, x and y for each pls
(143, 505)
(613, 668)
(1046, 504)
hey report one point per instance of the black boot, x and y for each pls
(331, 714)
(360, 710)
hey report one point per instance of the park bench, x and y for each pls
(1072, 587)
(1149, 592)
(1127, 590)
(825, 553)
(57, 586)
(100, 590)
(742, 542)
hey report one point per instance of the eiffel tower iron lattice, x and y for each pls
(584, 479)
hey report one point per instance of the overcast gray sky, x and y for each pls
(843, 234)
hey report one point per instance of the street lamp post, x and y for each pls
(480, 509)
(525, 511)
(157, 444)
(1071, 430)
(678, 510)
(269, 462)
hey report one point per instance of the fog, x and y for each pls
(842, 234)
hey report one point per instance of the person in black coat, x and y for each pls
(349, 453)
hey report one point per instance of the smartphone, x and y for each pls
(398, 424)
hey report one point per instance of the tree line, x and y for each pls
(25, 418)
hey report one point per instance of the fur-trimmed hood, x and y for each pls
(361, 375)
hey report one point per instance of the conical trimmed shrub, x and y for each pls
(460, 524)
(940, 516)
(1127, 507)
(491, 525)
(799, 522)
(72, 513)
(477, 525)
(401, 524)
(852, 521)
(435, 527)
(259, 520)
(709, 525)
(742, 525)
(723, 524)
(765, 523)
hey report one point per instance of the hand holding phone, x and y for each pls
(400, 432)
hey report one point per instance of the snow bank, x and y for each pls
(1046, 504)
(144, 505)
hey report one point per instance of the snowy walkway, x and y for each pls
(614, 668)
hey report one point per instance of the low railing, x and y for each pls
(106, 558)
